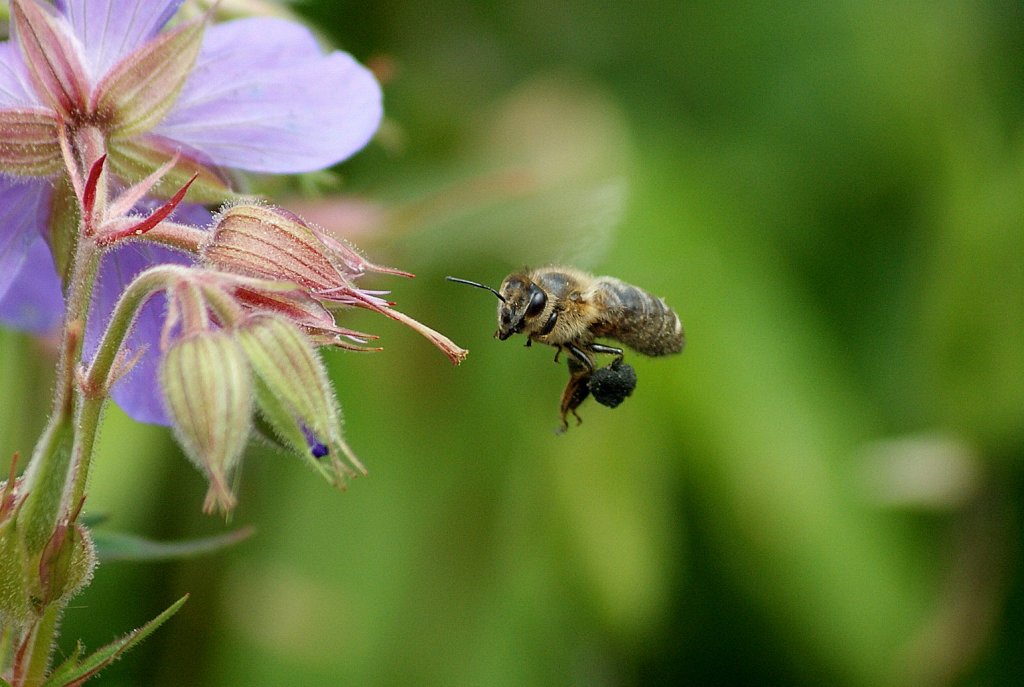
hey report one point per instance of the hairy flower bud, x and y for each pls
(207, 386)
(294, 395)
(270, 243)
(274, 244)
(66, 564)
(30, 582)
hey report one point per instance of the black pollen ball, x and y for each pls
(611, 385)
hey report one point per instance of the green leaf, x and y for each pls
(69, 663)
(119, 546)
(72, 674)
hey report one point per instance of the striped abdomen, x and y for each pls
(636, 318)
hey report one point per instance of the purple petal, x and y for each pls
(15, 89)
(24, 205)
(138, 393)
(263, 98)
(34, 301)
(110, 29)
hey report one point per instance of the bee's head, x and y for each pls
(522, 303)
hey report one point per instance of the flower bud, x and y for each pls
(270, 243)
(207, 388)
(29, 583)
(273, 244)
(66, 564)
(293, 393)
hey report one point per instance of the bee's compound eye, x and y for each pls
(538, 299)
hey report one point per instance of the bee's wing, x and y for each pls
(551, 185)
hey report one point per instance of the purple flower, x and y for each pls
(254, 94)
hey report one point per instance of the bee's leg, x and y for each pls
(529, 342)
(576, 391)
(580, 355)
(550, 324)
(611, 350)
(558, 352)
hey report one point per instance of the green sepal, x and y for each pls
(29, 143)
(63, 572)
(137, 158)
(62, 224)
(52, 64)
(285, 360)
(142, 88)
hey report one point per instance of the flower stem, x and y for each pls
(104, 370)
(97, 380)
(57, 459)
(48, 475)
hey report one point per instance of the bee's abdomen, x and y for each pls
(639, 320)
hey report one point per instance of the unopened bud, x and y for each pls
(207, 386)
(274, 244)
(293, 392)
(66, 566)
(270, 243)
(29, 583)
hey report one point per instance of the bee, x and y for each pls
(570, 309)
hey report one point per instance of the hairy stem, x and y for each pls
(56, 463)
(103, 371)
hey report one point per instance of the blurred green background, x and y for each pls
(824, 488)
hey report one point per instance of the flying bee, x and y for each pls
(569, 309)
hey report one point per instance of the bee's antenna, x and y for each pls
(477, 285)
